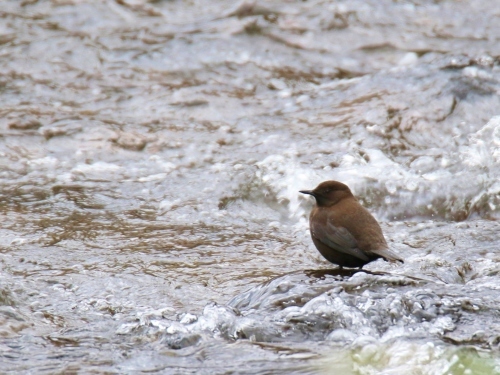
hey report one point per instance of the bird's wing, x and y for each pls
(339, 239)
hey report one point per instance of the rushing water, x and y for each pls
(151, 155)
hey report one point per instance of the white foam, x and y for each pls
(286, 177)
(483, 149)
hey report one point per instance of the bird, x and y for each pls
(342, 230)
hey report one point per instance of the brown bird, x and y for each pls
(343, 231)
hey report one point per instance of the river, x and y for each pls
(151, 154)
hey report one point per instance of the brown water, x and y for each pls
(151, 157)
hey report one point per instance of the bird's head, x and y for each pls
(329, 193)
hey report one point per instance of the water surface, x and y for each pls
(151, 157)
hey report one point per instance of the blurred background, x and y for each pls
(151, 154)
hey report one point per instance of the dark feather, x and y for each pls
(339, 239)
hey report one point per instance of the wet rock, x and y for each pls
(190, 103)
(25, 124)
(455, 62)
(61, 128)
(250, 8)
(131, 141)
(277, 84)
(336, 20)
(180, 341)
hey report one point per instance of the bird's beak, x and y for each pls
(310, 192)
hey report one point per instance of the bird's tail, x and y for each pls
(388, 255)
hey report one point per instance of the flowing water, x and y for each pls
(151, 155)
